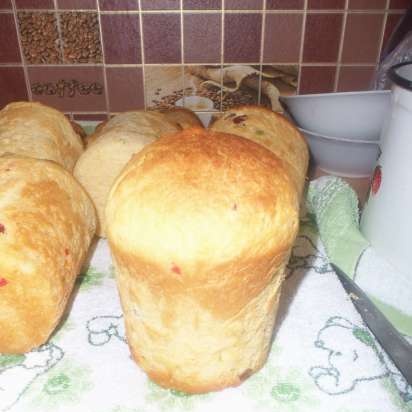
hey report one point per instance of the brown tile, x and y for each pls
(282, 37)
(12, 85)
(200, 95)
(202, 4)
(362, 35)
(94, 117)
(5, 5)
(277, 80)
(39, 48)
(34, 4)
(399, 4)
(81, 37)
(322, 36)
(239, 48)
(366, 4)
(162, 38)
(125, 88)
(160, 4)
(121, 38)
(202, 37)
(243, 4)
(326, 4)
(9, 50)
(77, 4)
(69, 88)
(355, 78)
(284, 4)
(317, 79)
(163, 86)
(391, 23)
(118, 5)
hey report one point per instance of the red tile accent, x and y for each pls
(361, 41)
(12, 85)
(162, 38)
(118, 5)
(399, 4)
(366, 4)
(355, 78)
(5, 5)
(238, 47)
(391, 23)
(125, 88)
(202, 37)
(160, 4)
(326, 4)
(317, 79)
(282, 38)
(89, 116)
(9, 49)
(243, 4)
(69, 88)
(35, 4)
(322, 36)
(284, 4)
(121, 38)
(77, 4)
(202, 4)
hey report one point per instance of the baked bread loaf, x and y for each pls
(200, 226)
(185, 118)
(110, 149)
(35, 130)
(271, 130)
(47, 222)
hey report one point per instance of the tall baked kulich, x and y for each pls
(111, 148)
(200, 226)
(36, 130)
(47, 222)
(271, 130)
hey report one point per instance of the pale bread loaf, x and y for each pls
(271, 130)
(110, 149)
(47, 222)
(36, 130)
(200, 226)
(185, 118)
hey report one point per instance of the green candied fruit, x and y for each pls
(179, 393)
(57, 384)
(260, 132)
(11, 360)
(364, 336)
(285, 392)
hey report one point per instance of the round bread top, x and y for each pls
(199, 196)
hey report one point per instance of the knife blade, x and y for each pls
(395, 345)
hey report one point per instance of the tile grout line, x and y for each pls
(340, 50)
(59, 32)
(142, 54)
(182, 53)
(222, 53)
(302, 44)
(22, 57)
(262, 43)
(103, 59)
(385, 19)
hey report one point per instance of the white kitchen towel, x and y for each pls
(323, 357)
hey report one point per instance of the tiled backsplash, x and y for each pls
(94, 57)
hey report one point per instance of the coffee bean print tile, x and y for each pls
(9, 49)
(39, 37)
(125, 88)
(12, 85)
(121, 38)
(69, 88)
(35, 4)
(81, 37)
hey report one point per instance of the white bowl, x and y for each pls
(347, 115)
(342, 157)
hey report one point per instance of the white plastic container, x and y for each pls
(387, 217)
(350, 115)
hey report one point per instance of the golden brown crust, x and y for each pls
(46, 224)
(184, 117)
(200, 226)
(35, 130)
(271, 130)
(111, 147)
